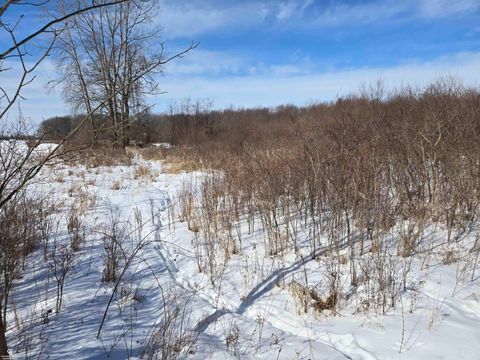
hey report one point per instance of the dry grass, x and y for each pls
(84, 199)
(101, 157)
(142, 171)
(308, 298)
(450, 257)
(175, 160)
(174, 166)
(153, 153)
(116, 185)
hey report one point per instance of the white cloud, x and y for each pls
(355, 14)
(341, 14)
(220, 64)
(442, 8)
(277, 88)
(206, 62)
(286, 70)
(192, 18)
(292, 8)
(287, 10)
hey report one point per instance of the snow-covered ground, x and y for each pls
(247, 314)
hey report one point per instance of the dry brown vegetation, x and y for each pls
(25, 224)
(347, 175)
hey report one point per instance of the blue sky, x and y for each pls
(265, 52)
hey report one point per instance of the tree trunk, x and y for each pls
(3, 339)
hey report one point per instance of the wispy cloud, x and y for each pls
(292, 8)
(442, 8)
(221, 64)
(192, 18)
(208, 63)
(343, 13)
(278, 88)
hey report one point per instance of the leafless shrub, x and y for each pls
(46, 225)
(101, 157)
(116, 185)
(475, 251)
(76, 228)
(114, 235)
(129, 294)
(60, 179)
(62, 262)
(24, 224)
(83, 198)
(451, 256)
(232, 340)
(309, 298)
(171, 336)
(142, 171)
(31, 338)
(186, 202)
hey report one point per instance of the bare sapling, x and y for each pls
(114, 236)
(61, 262)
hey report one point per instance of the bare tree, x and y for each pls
(109, 58)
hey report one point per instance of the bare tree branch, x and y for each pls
(44, 28)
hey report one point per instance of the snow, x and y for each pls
(436, 318)
(45, 148)
(162, 145)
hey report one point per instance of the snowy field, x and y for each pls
(251, 310)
